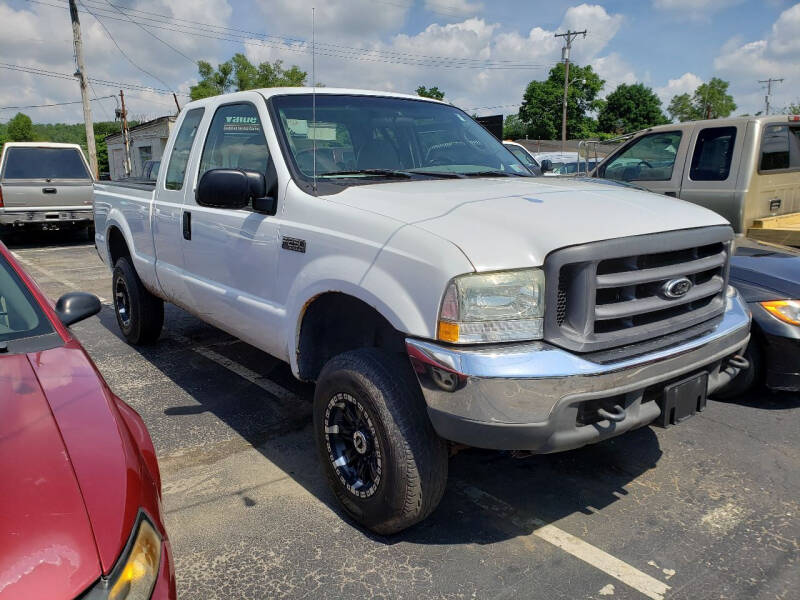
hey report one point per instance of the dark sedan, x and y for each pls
(80, 490)
(768, 277)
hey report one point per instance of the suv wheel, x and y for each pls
(381, 456)
(140, 314)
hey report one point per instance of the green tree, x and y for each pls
(709, 101)
(793, 109)
(433, 92)
(513, 128)
(542, 103)
(20, 128)
(239, 74)
(630, 108)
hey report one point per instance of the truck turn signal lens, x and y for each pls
(448, 332)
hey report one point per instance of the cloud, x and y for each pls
(777, 55)
(25, 43)
(454, 7)
(693, 9)
(685, 84)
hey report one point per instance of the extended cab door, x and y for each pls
(168, 207)
(230, 255)
(710, 175)
(654, 161)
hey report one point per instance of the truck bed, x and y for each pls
(783, 229)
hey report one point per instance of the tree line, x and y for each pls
(628, 108)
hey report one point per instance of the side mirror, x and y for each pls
(546, 165)
(77, 306)
(224, 188)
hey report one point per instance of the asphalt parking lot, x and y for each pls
(708, 509)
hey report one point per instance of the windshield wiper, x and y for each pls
(376, 172)
(439, 174)
(493, 174)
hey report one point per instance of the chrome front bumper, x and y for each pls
(41, 216)
(527, 396)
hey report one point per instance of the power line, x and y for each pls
(299, 45)
(125, 54)
(53, 104)
(150, 33)
(101, 82)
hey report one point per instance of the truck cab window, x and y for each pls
(176, 171)
(235, 140)
(650, 158)
(713, 152)
(780, 148)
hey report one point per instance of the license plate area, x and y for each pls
(683, 399)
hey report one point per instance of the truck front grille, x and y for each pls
(617, 292)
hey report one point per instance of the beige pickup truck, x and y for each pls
(46, 186)
(747, 169)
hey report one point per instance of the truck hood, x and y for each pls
(48, 547)
(506, 223)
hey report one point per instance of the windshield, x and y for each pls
(367, 137)
(44, 163)
(20, 315)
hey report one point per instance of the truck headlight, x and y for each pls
(137, 575)
(504, 306)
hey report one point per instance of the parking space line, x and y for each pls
(265, 384)
(616, 568)
(48, 273)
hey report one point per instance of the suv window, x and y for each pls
(713, 152)
(780, 148)
(235, 140)
(44, 163)
(176, 171)
(650, 158)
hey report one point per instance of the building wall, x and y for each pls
(146, 143)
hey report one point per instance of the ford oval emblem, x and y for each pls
(676, 288)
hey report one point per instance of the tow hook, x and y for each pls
(737, 361)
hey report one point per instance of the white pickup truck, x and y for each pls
(391, 250)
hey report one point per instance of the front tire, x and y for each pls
(140, 314)
(381, 456)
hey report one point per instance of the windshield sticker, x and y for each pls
(241, 124)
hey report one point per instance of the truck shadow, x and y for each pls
(57, 238)
(490, 496)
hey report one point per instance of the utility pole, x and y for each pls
(81, 75)
(568, 37)
(125, 137)
(769, 83)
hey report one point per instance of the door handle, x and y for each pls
(49, 190)
(673, 194)
(187, 225)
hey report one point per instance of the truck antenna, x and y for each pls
(314, 97)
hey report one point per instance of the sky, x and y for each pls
(481, 53)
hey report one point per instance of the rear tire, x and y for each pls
(381, 456)
(140, 314)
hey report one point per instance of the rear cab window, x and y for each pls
(780, 148)
(713, 152)
(179, 159)
(31, 162)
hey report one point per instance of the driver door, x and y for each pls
(654, 161)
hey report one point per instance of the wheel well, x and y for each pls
(334, 323)
(117, 248)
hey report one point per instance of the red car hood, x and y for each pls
(73, 470)
(47, 541)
